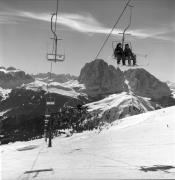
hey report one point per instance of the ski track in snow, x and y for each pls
(118, 152)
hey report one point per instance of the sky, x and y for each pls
(83, 25)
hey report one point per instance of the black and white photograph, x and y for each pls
(87, 89)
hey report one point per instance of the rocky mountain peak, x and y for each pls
(145, 84)
(100, 78)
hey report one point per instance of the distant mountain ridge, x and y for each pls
(11, 78)
(105, 90)
(61, 78)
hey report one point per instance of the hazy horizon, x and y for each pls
(83, 25)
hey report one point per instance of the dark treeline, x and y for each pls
(76, 119)
(26, 127)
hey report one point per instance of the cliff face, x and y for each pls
(100, 78)
(143, 83)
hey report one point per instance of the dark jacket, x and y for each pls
(127, 52)
(118, 51)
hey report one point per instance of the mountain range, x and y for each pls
(109, 93)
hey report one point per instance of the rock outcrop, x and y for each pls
(100, 78)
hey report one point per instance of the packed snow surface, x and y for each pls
(137, 142)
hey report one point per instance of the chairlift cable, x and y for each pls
(106, 39)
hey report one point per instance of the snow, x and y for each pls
(108, 102)
(35, 85)
(4, 93)
(115, 100)
(9, 71)
(172, 88)
(127, 83)
(70, 93)
(4, 70)
(74, 84)
(118, 152)
(56, 87)
(3, 112)
(69, 84)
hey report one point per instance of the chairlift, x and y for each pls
(115, 42)
(47, 115)
(46, 120)
(50, 100)
(123, 42)
(54, 56)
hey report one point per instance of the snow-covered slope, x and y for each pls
(172, 88)
(56, 77)
(117, 106)
(4, 93)
(70, 88)
(141, 146)
(9, 70)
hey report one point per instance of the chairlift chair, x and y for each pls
(46, 120)
(114, 44)
(50, 100)
(47, 115)
(55, 57)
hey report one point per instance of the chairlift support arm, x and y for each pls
(127, 27)
(55, 39)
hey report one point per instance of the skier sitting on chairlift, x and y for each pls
(118, 54)
(129, 55)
